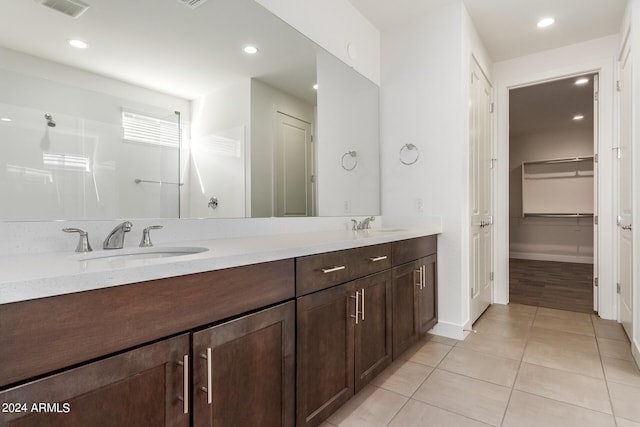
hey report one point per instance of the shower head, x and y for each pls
(50, 122)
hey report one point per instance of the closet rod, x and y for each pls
(138, 181)
(559, 215)
(565, 160)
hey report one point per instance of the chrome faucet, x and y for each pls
(83, 242)
(115, 239)
(365, 224)
(146, 238)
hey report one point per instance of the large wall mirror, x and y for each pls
(166, 115)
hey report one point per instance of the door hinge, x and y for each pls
(313, 179)
(491, 276)
(618, 287)
(596, 96)
(311, 138)
(619, 86)
(595, 282)
(595, 158)
(491, 107)
(595, 219)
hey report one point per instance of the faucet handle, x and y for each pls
(83, 242)
(146, 239)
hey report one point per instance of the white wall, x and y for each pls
(424, 101)
(547, 239)
(348, 105)
(591, 56)
(220, 153)
(266, 101)
(336, 26)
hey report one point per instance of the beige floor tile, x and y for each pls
(568, 387)
(563, 314)
(418, 414)
(504, 328)
(528, 410)
(549, 319)
(466, 396)
(402, 377)
(615, 349)
(567, 340)
(553, 356)
(621, 371)
(509, 347)
(371, 407)
(522, 314)
(622, 422)
(426, 352)
(441, 339)
(625, 400)
(481, 366)
(608, 329)
(326, 424)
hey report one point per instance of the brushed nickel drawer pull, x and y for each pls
(208, 388)
(378, 258)
(423, 278)
(185, 383)
(419, 271)
(362, 312)
(332, 269)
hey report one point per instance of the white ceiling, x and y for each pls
(508, 27)
(166, 46)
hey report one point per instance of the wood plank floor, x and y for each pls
(561, 285)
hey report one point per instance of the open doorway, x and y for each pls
(552, 197)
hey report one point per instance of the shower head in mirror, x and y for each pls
(50, 122)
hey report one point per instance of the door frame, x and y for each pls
(605, 137)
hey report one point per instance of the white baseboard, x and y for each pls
(635, 351)
(449, 330)
(552, 257)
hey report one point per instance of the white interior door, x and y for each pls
(293, 170)
(481, 192)
(624, 193)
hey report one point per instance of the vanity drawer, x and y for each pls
(321, 271)
(411, 249)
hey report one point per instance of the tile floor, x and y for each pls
(525, 366)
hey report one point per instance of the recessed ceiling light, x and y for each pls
(315, 86)
(545, 22)
(79, 44)
(578, 117)
(5, 119)
(250, 50)
(582, 81)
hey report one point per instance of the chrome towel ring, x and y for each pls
(409, 154)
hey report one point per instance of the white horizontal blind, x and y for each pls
(150, 130)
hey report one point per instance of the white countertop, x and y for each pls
(30, 276)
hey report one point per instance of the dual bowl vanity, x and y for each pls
(270, 330)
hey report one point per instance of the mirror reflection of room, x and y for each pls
(164, 127)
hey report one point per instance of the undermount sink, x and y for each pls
(386, 230)
(141, 253)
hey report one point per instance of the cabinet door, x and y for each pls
(406, 300)
(324, 353)
(141, 387)
(372, 349)
(244, 371)
(429, 295)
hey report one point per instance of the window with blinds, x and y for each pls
(150, 130)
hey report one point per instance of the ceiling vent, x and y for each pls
(192, 4)
(72, 8)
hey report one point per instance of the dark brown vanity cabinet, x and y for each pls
(343, 331)
(414, 285)
(148, 386)
(244, 371)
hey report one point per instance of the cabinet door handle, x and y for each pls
(423, 280)
(377, 258)
(362, 312)
(185, 383)
(332, 269)
(208, 388)
(357, 298)
(419, 271)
